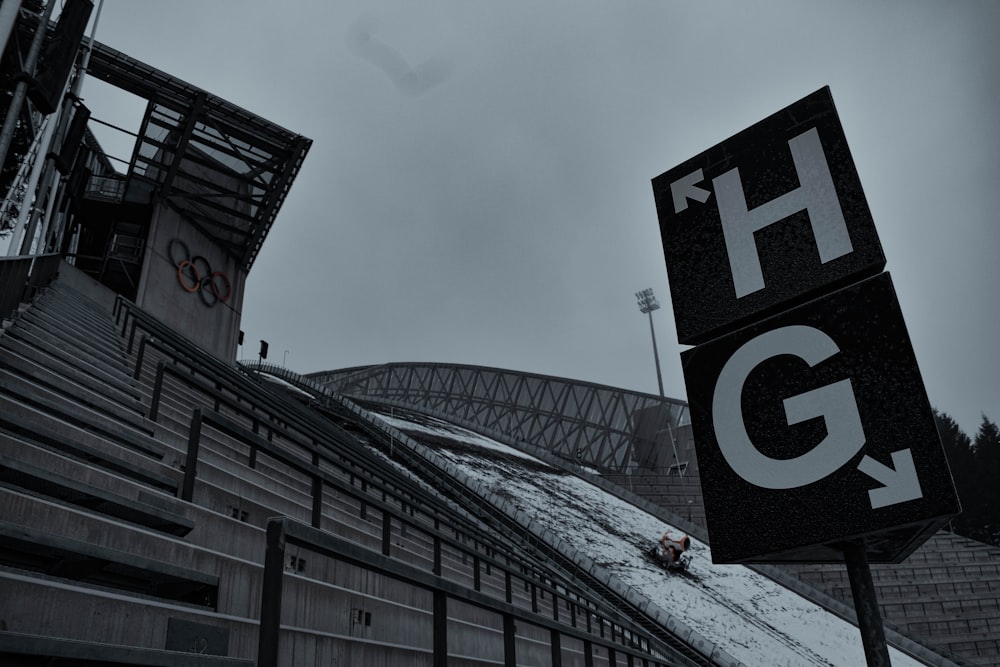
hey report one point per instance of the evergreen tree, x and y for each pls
(987, 458)
(958, 448)
(975, 467)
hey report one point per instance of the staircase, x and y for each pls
(95, 560)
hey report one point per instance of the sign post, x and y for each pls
(866, 605)
(814, 435)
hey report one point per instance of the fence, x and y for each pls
(22, 277)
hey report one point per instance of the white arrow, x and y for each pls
(899, 485)
(684, 188)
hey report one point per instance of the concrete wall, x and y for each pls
(162, 293)
(81, 282)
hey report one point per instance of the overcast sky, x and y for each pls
(478, 190)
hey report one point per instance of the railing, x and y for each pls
(436, 520)
(22, 277)
(681, 652)
(105, 188)
(395, 515)
(284, 532)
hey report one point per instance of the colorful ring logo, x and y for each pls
(195, 274)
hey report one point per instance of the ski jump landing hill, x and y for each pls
(729, 612)
(640, 446)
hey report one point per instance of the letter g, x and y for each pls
(835, 403)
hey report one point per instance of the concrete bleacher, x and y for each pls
(138, 536)
(948, 591)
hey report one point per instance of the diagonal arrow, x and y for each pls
(899, 485)
(685, 188)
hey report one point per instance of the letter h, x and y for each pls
(816, 194)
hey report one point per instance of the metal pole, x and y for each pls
(270, 596)
(656, 355)
(866, 605)
(647, 304)
(191, 462)
(509, 641)
(85, 61)
(440, 629)
(21, 90)
(673, 443)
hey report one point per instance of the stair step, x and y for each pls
(17, 645)
(83, 408)
(36, 363)
(28, 478)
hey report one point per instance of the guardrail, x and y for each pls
(683, 651)
(22, 277)
(514, 573)
(238, 389)
(282, 532)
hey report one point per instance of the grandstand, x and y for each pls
(162, 504)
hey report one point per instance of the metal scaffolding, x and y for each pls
(605, 427)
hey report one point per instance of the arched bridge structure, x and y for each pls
(610, 429)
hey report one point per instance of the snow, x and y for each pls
(432, 426)
(747, 615)
(285, 384)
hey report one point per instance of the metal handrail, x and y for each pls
(22, 278)
(283, 532)
(661, 638)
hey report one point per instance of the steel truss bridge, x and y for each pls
(595, 425)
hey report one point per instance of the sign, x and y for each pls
(813, 427)
(763, 221)
(811, 423)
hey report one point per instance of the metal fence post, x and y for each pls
(440, 629)
(270, 597)
(555, 642)
(509, 641)
(139, 356)
(191, 463)
(317, 501)
(154, 401)
(386, 532)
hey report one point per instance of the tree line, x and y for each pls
(975, 466)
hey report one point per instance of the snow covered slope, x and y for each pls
(748, 616)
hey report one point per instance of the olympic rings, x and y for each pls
(195, 275)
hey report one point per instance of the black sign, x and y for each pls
(764, 221)
(813, 427)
